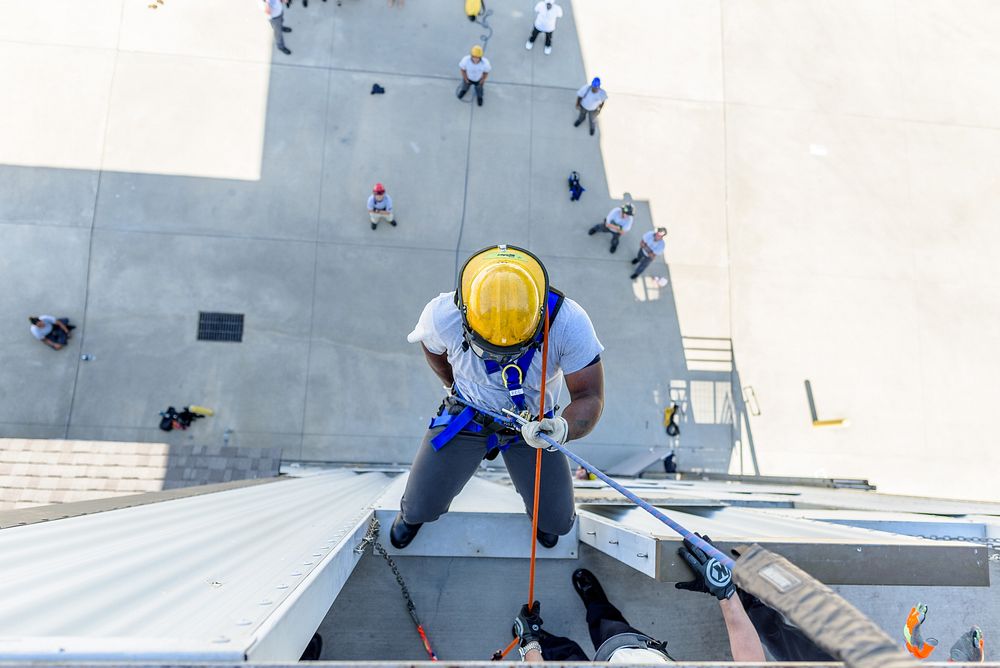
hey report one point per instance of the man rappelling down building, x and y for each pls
(486, 343)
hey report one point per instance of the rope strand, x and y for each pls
(538, 464)
(500, 654)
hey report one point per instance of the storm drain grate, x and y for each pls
(220, 326)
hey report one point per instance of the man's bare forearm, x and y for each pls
(582, 415)
(743, 640)
(440, 365)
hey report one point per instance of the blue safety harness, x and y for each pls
(513, 374)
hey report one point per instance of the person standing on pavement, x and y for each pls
(486, 342)
(652, 244)
(617, 223)
(590, 100)
(475, 69)
(547, 12)
(380, 207)
(275, 11)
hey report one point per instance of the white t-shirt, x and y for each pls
(277, 8)
(545, 19)
(384, 205)
(633, 655)
(655, 245)
(41, 332)
(618, 218)
(591, 100)
(473, 70)
(573, 345)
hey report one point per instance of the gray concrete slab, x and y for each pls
(146, 293)
(45, 272)
(282, 204)
(370, 393)
(413, 139)
(46, 196)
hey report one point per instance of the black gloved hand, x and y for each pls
(970, 647)
(527, 624)
(711, 577)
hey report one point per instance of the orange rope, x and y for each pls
(538, 481)
(538, 463)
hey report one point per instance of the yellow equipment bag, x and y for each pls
(473, 8)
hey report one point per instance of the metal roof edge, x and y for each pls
(59, 511)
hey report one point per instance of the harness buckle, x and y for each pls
(520, 374)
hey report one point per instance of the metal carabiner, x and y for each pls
(520, 374)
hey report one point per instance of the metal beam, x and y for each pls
(831, 553)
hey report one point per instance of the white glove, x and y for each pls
(555, 428)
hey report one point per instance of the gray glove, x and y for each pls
(555, 428)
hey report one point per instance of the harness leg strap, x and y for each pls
(457, 424)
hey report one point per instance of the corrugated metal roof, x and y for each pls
(205, 577)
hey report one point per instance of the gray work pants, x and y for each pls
(615, 236)
(277, 23)
(437, 476)
(585, 113)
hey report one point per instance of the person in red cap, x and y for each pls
(380, 207)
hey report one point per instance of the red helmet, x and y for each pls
(378, 189)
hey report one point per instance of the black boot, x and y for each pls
(587, 586)
(546, 539)
(402, 533)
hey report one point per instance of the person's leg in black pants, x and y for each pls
(558, 648)
(534, 35)
(548, 38)
(604, 621)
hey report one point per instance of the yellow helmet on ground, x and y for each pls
(476, 51)
(502, 292)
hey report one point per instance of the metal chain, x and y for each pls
(371, 538)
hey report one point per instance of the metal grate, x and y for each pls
(220, 326)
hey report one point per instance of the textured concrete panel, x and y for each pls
(413, 139)
(63, 93)
(813, 55)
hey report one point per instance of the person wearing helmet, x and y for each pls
(274, 10)
(589, 101)
(652, 244)
(483, 341)
(475, 69)
(617, 223)
(547, 12)
(380, 207)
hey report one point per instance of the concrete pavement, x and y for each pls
(828, 179)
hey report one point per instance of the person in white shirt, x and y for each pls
(618, 642)
(617, 223)
(53, 332)
(547, 13)
(380, 207)
(652, 244)
(275, 12)
(474, 69)
(590, 100)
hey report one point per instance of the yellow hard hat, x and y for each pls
(477, 51)
(502, 295)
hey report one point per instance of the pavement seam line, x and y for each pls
(465, 187)
(319, 221)
(93, 225)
